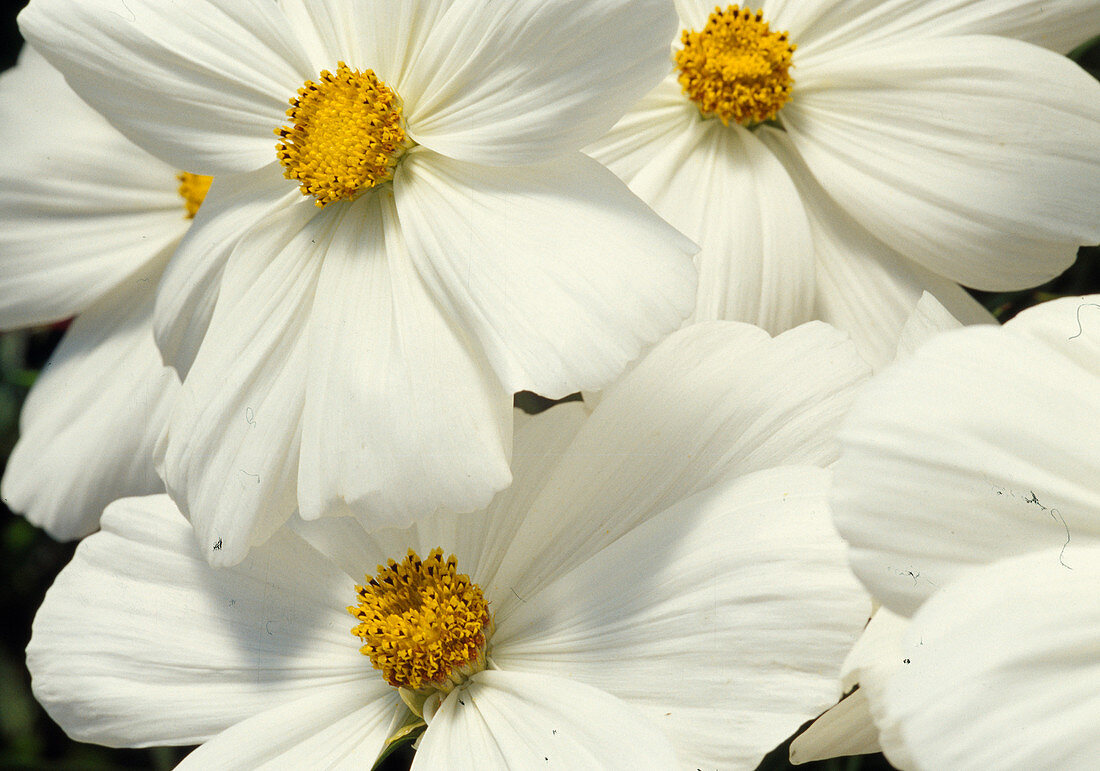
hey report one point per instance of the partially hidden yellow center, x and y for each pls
(192, 190)
(424, 624)
(345, 135)
(735, 68)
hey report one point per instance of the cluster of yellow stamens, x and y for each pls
(192, 190)
(424, 624)
(736, 68)
(346, 135)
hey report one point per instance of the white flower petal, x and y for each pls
(522, 82)
(721, 187)
(827, 25)
(741, 592)
(235, 205)
(230, 454)
(1068, 325)
(987, 145)
(928, 319)
(201, 84)
(522, 720)
(846, 729)
(90, 423)
(557, 271)
(738, 402)
(980, 445)
(401, 415)
(1003, 669)
(81, 208)
(139, 642)
(864, 287)
(340, 727)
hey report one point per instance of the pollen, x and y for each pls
(423, 624)
(345, 135)
(192, 190)
(736, 68)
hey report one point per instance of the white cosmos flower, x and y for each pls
(665, 587)
(87, 222)
(917, 146)
(969, 492)
(360, 357)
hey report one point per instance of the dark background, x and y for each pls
(29, 559)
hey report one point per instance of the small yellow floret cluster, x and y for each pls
(192, 190)
(346, 137)
(736, 68)
(422, 623)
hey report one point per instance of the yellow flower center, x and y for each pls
(192, 190)
(346, 135)
(424, 624)
(736, 68)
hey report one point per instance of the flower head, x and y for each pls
(382, 266)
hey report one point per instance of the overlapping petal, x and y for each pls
(157, 649)
(208, 106)
(1003, 669)
(987, 144)
(946, 467)
(559, 273)
(525, 82)
(401, 416)
(89, 425)
(81, 208)
(684, 603)
(524, 720)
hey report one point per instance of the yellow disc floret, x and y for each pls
(736, 68)
(192, 190)
(424, 624)
(346, 135)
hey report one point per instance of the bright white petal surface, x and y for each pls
(81, 207)
(522, 82)
(339, 728)
(557, 271)
(1004, 669)
(928, 319)
(864, 287)
(846, 729)
(401, 415)
(739, 402)
(721, 187)
(978, 446)
(828, 25)
(201, 84)
(235, 205)
(741, 592)
(139, 642)
(987, 145)
(230, 454)
(89, 425)
(523, 720)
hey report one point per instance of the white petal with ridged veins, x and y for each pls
(863, 287)
(338, 728)
(741, 592)
(1003, 670)
(522, 82)
(92, 419)
(81, 207)
(201, 85)
(235, 205)
(987, 144)
(716, 399)
(558, 272)
(230, 454)
(978, 446)
(139, 642)
(401, 415)
(523, 720)
(724, 189)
